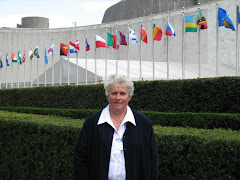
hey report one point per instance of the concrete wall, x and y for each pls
(34, 22)
(14, 40)
(128, 9)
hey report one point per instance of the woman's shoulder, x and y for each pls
(141, 117)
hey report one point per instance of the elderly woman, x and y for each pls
(116, 143)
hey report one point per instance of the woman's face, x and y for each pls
(118, 98)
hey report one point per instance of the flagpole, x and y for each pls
(68, 61)
(37, 69)
(12, 68)
(86, 58)
(31, 70)
(167, 48)
(53, 64)
(116, 51)
(128, 64)
(105, 54)
(6, 70)
(1, 71)
(199, 43)
(24, 83)
(18, 70)
(153, 50)
(45, 82)
(60, 64)
(77, 61)
(237, 47)
(95, 59)
(183, 38)
(140, 65)
(217, 39)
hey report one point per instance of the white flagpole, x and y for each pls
(60, 64)
(95, 59)
(128, 64)
(77, 61)
(105, 54)
(217, 39)
(140, 63)
(18, 62)
(199, 43)
(37, 69)
(6, 70)
(24, 84)
(1, 71)
(12, 69)
(68, 62)
(31, 69)
(116, 50)
(45, 77)
(237, 47)
(153, 61)
(167, 48)
(183, 39)
(86, 81)
(53, 64)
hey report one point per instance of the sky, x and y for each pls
(61, 13)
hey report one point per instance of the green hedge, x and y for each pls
(197, 120)
(41, 147)
(220, 95)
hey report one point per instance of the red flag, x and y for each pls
(115, 46)
(100, 42)
(64, 49)
(24, 56)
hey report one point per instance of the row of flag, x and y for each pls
(191, 24)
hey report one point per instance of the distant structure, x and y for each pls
(34, 22)
(129, 9)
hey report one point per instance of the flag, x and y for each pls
(13, 58)
(170, 31)
(100, 42)
(63, 49)
(50, 50)
(238, 14)
(121, 39)
(202, 21)
(157, 32)
(30, 54)
(36, 53)
(46, 57)
(132, 36)
(115, 45)
(224, 19)
(19, 57)
(87, 46)
(143, 33)
(110, 39)
(74, 48)
(24, 56)
(191, 23)
(7, 63)
(1, 64)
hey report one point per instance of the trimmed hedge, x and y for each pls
(197, 120)
(41, 147)
(220, 95)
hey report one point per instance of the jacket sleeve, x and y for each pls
(81, 156)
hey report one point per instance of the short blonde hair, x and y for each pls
(121, 80)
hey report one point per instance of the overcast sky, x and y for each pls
(61, 13)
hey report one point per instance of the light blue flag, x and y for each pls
(46, 58)
(224, 19)
(7, 63)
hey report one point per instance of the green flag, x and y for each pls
(19, 57)
(36, 53)
(110, 39)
